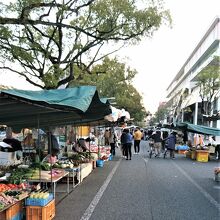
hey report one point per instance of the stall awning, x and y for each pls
(21, 108)
(199, 129)
(79, 98)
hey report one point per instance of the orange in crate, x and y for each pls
(41, 213)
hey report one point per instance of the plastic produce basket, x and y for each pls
(38, 202)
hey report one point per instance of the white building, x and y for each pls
(182, 93)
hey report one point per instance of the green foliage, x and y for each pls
(42, 36)
(114, 79)
(208, 82)
(159, 115)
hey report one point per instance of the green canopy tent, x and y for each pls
(47, 108)
(199, 129)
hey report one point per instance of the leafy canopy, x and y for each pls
(45, 40)
(208, 81)
(114, 79)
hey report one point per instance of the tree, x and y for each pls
(44, 40)
(208, 81)
(160, 114)
(114, 79)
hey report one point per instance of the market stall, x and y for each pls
(46, 109)
(197, 149)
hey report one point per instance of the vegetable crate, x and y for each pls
(41, 213)
(38, 202)
(14, 212)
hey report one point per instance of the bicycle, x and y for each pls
(152, 149)
(165, 154)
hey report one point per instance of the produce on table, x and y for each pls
(18, 175)
(39, 195)
(4, 187)
(46, 166)
(6, 200)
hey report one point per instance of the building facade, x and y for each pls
(183, 92)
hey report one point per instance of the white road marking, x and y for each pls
(216, 187)
(206, 194)
(146, 160)
(88, 213)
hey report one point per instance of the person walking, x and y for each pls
(128, 144)
(137, 139)
(106, 137)
(157, 142)
(112, 141)
(123, 143)
(170, 144)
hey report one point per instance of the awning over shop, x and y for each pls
(44, 108)
(199, 129)
(79, 98)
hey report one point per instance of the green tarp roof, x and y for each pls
(199, 129)
(78, 97)
(44, 108)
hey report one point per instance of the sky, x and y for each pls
(158, 60)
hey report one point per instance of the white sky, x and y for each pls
(158, 60)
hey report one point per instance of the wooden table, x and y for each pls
(54, 181)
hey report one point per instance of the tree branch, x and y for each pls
(22, 74)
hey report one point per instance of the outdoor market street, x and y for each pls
(145, 188)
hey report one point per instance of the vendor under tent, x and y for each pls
(20, 108)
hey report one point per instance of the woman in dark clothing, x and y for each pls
(128, 140)
(170, 144)
(123, 143)
(164, 135)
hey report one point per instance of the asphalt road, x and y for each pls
(145, 188)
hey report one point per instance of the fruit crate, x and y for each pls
(38, 201)
(41, 213)
(14, 212)
(18, 216)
